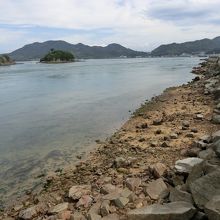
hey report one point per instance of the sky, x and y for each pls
(137, 24)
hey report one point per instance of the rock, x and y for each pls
(194, 130)
(29, 213)
(133, 183)
(95, 209)
(173, 136)
(158, 170)
(59, 208)
(199, 116)
(121, 162)
(205, 188)
(165, 144)
(179, 195)
(216, 119)
(212, 208)
(216, 136)
(193, 152)
(111, 217)
(84, 201)
(77, 216)
(127, 194)
(158, 131)
(76, 192)
(190, 135)
(157, 122)
(107, 188)
(200, 216)
(114, 195)
(216, 148)
(156, 188)
(170, 211)
(186, 165)
(206, 139)
(200, 144)
(92, 216)
(185, 124)
(144, 126)
(121, 202)
(206, 154)
(64, 215)
(104, 209)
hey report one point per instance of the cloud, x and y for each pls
(138, 24)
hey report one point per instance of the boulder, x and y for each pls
(156, 189)
(216, 148)
(212, 208)
(76, 192)
(29, 213)
(216, 119)
(133, 183)
(59, 208)
(158, 169)
(205, 188)
(186, 165)
(179, 195)
(206, 154)
(216, 136)
(169, 211)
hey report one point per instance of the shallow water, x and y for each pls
(50, 113)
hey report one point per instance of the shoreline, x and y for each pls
(154, 134)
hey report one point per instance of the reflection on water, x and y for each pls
(50, 113)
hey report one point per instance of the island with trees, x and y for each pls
(5, 60)
(58, 56)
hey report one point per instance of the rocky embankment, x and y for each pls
(6, 60)
(163, 164)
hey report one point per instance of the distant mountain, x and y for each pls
(192, 47)
(35, 51)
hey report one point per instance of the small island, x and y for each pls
(58, 56)
(5, 60)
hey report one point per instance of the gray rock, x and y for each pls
(104, 209)
(156, 188)
(170, 211)
(121, 202)
(133, 183)
(216, 119)
(216, 148)
(93, 216)
(186, 165)
(158, 169)
(29, 213)
(200, 216)
(206, 154)
(205, 188)
(121, 162)
(185, 124)
(107, 188)
(212, 208)
(216, 136)
(111, 217)
(179, 195)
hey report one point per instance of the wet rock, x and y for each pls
(186, 165)
(29, 213)
(59, 208)
(76, 192)
(179, 195)
(156, 189)
(133, 183)
(212, 208)
(170, 211)
(205, 188)
(158, 170)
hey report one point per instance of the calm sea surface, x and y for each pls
(51, 113)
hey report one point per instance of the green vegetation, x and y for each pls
(58, 56)
(5, 60)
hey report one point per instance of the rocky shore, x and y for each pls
(163, 164)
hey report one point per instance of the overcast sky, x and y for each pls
(138, 24)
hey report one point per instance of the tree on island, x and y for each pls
(5, 60)
(58, 56)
